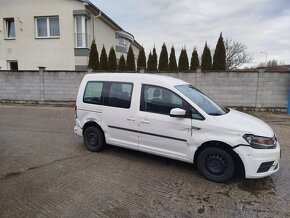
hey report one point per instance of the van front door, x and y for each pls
(158, 132)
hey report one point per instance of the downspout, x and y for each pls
(94, 24)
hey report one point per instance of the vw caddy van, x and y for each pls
(169, 117)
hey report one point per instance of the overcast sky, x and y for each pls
(262, 25)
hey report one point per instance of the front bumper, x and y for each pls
(255, 161)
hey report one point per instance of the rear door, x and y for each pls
(120, 115)
(89, 104)
(158, 132)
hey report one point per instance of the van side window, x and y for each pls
(93, 93)
(160, 100)
(119, 94)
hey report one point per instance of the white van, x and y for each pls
(171, 118)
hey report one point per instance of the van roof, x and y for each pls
(136, 77)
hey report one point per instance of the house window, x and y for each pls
(9, 28)
(81, 36)
(123, 41)
(12, 65)
(47, 27)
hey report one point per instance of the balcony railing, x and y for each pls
(82, 40)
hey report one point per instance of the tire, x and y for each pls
(94, 139)
(216, 164)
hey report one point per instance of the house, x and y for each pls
(56, 34)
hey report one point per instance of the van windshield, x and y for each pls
(203, 101)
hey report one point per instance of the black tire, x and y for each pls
(216, 164)
(94, 139)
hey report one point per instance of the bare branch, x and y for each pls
(236, 54)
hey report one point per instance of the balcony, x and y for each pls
(82, 40)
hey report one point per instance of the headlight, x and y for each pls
(259, 142)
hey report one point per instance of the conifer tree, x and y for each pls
(206, 61)
(194, 63)
(219, 58)
(103, 60)
(141, 61)
(163, 59)
(122, 64)
(183, 64)
(131, 66)
(94, 57)
(154, 60)
(172, 60)
(112, 62)
(150, 62)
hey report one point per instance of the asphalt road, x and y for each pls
(45, 171)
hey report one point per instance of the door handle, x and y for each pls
(145, 121)
(195, 128)
(131, 118)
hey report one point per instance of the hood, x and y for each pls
(246, 124)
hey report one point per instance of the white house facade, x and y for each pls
(56, 34)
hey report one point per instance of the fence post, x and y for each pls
(42, 88)
(260, 86)
(142, 70)
(288, 100)
(198, 77)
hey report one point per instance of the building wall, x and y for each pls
(52, 53)
(29, 51)
(236, 89)
(104, 35)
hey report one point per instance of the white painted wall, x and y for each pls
(104, 35)
(55, 54)
(136, 52)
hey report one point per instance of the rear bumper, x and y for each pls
(259, 163)
(77, 129)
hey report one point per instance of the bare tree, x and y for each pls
(236, 54)
(270, 63)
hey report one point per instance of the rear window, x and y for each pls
(114, 94)
(93, 93)
(119, 94)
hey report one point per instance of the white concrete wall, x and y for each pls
(236, 89)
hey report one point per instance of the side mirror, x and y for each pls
(177, 112)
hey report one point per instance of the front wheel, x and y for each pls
(94, 139)
(216, 164)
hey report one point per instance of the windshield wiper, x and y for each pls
(215, 114)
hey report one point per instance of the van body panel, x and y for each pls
(164, 134)
(122, 131)
(241, 122)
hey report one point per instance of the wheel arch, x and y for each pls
(95, 124)
(240, 168)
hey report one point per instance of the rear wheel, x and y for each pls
(94, 139)
(216, 164)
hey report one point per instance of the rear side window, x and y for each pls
(119, 94)
(93, 93)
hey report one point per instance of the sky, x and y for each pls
(262, 25)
